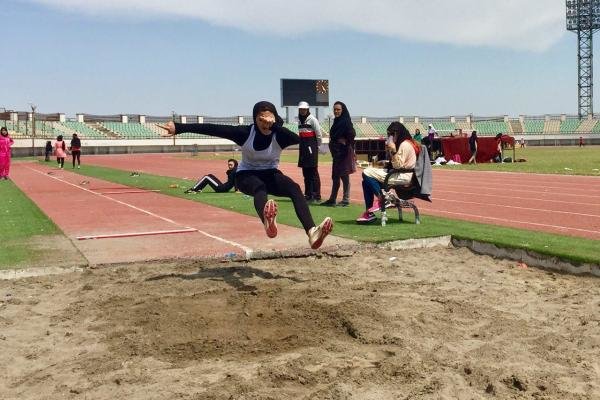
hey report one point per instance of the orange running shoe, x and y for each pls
(269, 215)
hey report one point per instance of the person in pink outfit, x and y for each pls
(60, 151)
(5, 143)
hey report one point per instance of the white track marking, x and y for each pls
(518, 198)
(516, 207)
(247, 250)
(434, 212)
(130, 234)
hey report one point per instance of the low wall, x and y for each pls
(29, 147)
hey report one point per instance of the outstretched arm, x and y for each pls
(237, 134)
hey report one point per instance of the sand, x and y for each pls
(440, 323)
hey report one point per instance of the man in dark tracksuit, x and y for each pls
(309, 131)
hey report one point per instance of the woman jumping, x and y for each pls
(258, 174)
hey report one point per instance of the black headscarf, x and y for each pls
(342, 124)
(266, 106)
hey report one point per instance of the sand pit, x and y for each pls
(429, 324)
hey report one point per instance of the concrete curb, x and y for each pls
(423, 243)
(530, 258)
(33, 272)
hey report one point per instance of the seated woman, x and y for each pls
(403, 151)
(215, 183)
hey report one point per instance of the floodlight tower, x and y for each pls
(583, 17)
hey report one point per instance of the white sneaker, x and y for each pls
(269, 215)
(317, 234)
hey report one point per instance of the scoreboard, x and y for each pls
(313, 91)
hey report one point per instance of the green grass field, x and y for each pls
(566, 160)
(22, 223)
(22, 227)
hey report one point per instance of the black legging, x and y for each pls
(312, 183)
(214, 182)
(76, 155)
(259, 184)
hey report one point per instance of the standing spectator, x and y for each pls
(473, 147)
(60, 151)
(498, 156)
(48, 150)
(429, 143)
(581, 141)
(417, 137)
(5, 144)
(309, 131)
(431, 133)
(75, 149)
(341, 145)
(215, 183)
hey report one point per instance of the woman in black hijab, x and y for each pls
(341, 145)
(257, 173)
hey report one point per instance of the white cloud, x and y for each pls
(518, 24)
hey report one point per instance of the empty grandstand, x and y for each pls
(112, 131)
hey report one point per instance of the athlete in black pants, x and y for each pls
(215, 183)
(258, 174)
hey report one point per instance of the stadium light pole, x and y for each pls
(583, 18)
(173, 119)
(33, 107)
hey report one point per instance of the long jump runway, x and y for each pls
(562, 204)
(110, 223)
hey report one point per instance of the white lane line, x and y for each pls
(504, 188)
(519, 198)
(247, 250)
(131, 234)
(516, 207)
(434, 212)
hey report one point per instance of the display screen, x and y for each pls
(313, 91)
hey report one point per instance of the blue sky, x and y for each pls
(217, 58)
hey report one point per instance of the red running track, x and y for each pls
(567, 205)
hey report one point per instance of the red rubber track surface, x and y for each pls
(567, 205)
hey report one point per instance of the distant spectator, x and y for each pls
(60, 151)
(498, 156)
(473, 147)
(417, 137)
(5, 144)
(75, 149)
(431, 133)
(429, 140)
(581, 144)
(48, 150)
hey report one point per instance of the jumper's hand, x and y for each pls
(267, 121)
(168, 129)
